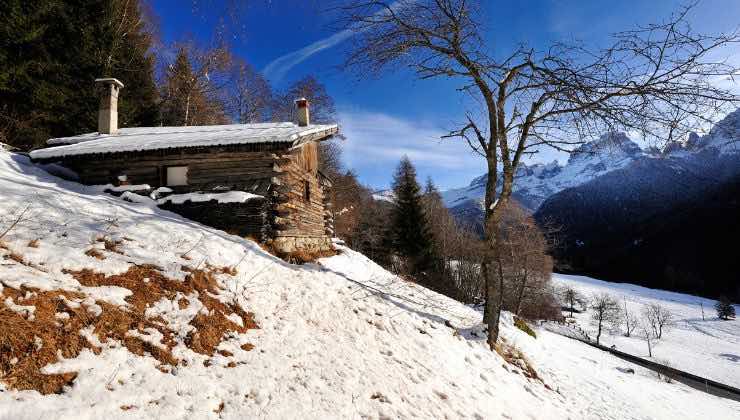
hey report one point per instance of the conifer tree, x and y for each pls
(724, 308)
(194, 86)
(50, 54)
(411, 236)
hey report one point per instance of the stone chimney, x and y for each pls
(108, 111)
(304, 117)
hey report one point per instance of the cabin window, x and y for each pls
(177, 175)
(306, 191)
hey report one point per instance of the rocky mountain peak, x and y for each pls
(613, 144)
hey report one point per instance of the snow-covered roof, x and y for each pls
(155, 138)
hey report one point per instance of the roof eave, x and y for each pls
(318, 136)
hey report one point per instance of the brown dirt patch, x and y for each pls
(516, 358)
(303, 257)
(110, 244)
(149, 286)
(92, 252)
(27, 344)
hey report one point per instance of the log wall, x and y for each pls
(243, 219)
(227, 168)
(300, 208)
(295, 205)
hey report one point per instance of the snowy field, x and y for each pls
(708, 348)
(341, 339)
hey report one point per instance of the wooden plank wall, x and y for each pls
(238, 170)
(274, 171)
(298, 216)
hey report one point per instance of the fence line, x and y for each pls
(697, 382)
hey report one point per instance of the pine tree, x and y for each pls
(194, 85)
(410, 233)
(33, 49)
(50, 54)
(179, 91)
(724, 308)
(131, 60)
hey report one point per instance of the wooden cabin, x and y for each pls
(257, 180)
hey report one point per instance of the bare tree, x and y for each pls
(194, 89)
(647, 334)
(526, 266)
(322, 104)
(249, 94)
(323, 111)
(658, 317)
(572, 298)
(657, 80)
(629, 320)
(605, 313)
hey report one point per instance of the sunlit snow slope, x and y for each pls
(707, 346)
(340, 339)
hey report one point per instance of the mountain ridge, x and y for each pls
(535, 183)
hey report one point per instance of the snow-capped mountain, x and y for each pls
(723, 138)
(709, 155)
(534, 183)
(662, 220)
(384, 195)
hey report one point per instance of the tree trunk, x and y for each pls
(494, 285)
(187, 109)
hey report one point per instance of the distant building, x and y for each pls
(257, 180)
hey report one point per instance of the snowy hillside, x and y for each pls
(254, 337)
(707, 347)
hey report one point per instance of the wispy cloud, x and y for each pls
(276, 70)
(377, 141)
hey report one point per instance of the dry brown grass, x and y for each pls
(34, 243)
(516, 358)
(295, 257)
(92, 252)
(210, 328)
(110, 244)
(22, 358)
(303, 256)
(16, 257)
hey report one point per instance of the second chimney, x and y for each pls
(108, 111)
(304, 117)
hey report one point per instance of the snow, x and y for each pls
(384, 195)
(155, 138)
(197, 197)
(26, 311)
(122, 188)
(708, 348)
(724, 138)
(534, 183)
(338, 339)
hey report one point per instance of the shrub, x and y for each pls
(519, 323)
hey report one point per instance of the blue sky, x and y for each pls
(386, 118)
